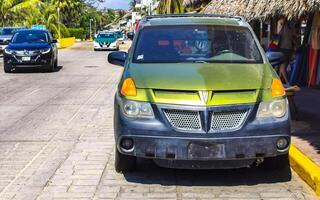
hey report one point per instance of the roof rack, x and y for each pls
(193, 15)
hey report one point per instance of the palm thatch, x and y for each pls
(260, 9)
(192, 2)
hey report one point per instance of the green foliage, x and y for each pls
(73, 14)
(170, 7)
(78, 33)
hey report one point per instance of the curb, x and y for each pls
(305, 168)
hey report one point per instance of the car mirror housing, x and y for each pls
(7, 42)
(117, 58)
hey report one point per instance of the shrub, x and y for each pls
(78, 33)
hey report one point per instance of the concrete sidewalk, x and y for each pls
(304, 153)
(306, 129)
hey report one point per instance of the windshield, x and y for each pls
(200, 43)
(30, 38)
(7, 31)
(106, 35)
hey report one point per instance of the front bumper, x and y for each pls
(157, 139)
(37, 61)
(112, 46)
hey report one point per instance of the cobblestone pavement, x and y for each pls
(56, 142)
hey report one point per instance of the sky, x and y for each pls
(115, 4)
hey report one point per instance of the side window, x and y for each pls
(50, 38)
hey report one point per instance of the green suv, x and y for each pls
(198, 92)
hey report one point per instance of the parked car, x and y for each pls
(31, 48)
(198, 91)
(6, 34)
(106, 41)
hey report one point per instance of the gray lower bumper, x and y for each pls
(242, 148)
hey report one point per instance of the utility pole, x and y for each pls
(90, 28)
(58, 9)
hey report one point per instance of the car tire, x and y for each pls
(56, 64)
(7, 69)
(51, 67)
(124, 163)
(280, 162)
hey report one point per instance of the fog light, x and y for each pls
(126, 144)
(282, 144)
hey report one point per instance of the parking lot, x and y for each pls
(56, 142)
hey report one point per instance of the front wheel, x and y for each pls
(7, 68)
(124, 163)
(51, 67)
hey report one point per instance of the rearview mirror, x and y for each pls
(6, 42)
(54, 41)
(117, 58)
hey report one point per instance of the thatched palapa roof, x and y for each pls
(259, 9)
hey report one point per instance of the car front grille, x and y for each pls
(227, 120)
(184, 119)
(220, 121)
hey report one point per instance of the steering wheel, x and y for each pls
(224, 51)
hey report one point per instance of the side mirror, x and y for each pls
(130, 35)
(54, 41)
(117, 58)
(275, 58)
(7, 42)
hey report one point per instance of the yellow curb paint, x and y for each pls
(66, 42)
(305, 168)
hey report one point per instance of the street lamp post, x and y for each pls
(58, 9)
(90, 29)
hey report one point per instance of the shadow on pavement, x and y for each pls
(149, 173)
(35, 70)
(307, 127)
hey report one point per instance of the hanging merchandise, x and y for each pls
(314, 47)
(300, 71)
(318, 73)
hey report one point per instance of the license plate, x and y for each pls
(26, 58)
(206, 150)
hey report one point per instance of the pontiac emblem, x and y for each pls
(204, 96)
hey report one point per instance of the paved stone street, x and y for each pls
(56, 142)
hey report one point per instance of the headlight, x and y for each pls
(95, 43)
(8, 51)
(137, 109)
(114, 43)
(276, 108)
(45, 51)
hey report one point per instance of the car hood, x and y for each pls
(194, 76)
(28, 46)
(7, 37)
(105, 40)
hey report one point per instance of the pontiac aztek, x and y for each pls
(198, 92)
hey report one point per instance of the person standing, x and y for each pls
(286, 45)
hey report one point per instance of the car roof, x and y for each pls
(11, 27)
(192, 19)
(32, 31)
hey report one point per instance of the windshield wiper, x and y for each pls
(200, 61)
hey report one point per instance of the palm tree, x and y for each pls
(13, 10)
(170, 6)
(132, 5)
